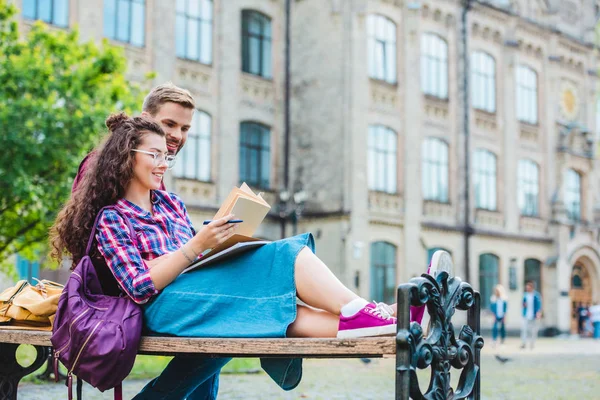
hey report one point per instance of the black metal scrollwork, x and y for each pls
(11, 371)
(439, 348)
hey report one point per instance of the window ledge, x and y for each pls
(383, 83)
(529, 132)
(438, 210)
(532, 224)
(139, 50)
(385, 204)
(28, 23)
(195, 192)
(436, 107)
(257, 78)
(485, 120)
(490, 218)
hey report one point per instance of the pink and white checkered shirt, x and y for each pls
(164, 231)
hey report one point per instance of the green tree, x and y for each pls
(55, 94)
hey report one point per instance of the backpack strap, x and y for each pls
(93, 232)
(79, 388)
(119, 391)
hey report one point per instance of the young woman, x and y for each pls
(251, 295)
(498, 305)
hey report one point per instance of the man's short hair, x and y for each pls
(167, 93)
(532, 283)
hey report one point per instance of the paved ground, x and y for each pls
(556, 369)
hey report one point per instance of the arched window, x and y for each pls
(256, 43)
(528, 188)
(381, 32)
(488, 277)
(483, 67)
(193, 30)
(533, 272)
(194, 159)
(255, 154)
(573, 195)
(527, 96)
(485, 180)
(435, 170)
(383, 272)
(434, 65)
(382, 159)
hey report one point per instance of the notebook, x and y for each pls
(250, 208)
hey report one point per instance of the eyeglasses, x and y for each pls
(159, 158)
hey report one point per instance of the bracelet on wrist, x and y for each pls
(185, 254)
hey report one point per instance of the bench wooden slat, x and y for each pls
(311, 348)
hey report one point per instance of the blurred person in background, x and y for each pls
(532, 312)
(498, 305)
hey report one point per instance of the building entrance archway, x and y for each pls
(580, 293)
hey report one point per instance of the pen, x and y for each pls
(231, 221)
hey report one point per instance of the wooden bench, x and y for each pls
(440, 349)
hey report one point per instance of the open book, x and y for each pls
(250, 208)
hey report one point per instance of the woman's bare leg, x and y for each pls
(317, 286)
(313, 323)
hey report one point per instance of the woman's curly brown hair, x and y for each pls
(104, 183)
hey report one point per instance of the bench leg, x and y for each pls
(11, 371)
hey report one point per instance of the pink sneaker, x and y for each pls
(374, 319)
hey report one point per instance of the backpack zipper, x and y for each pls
(83, 346)
(70, 374)
(57, 352)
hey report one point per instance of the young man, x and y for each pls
(169, 105)
(173, 108)
(532, 311)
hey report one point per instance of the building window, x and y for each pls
(527, 98)
(382, 159)
(533, 272)
(435, 170)
(434, 66)
(256, 43)
(383, 272)
(193, 161)
(484, 81)
(193, 30)
(488, 277)
(125, 21)
(255, 154)
(382, 48)
(573, 195)
(528, 188)
(485, 180)
(55, 12)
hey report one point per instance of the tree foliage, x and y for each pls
(55, 93)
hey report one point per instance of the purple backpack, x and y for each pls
(95, 336)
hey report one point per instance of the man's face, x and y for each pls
(529, 287)
(175, 120)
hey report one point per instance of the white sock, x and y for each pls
(353, 307)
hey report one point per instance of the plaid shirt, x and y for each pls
(164, 232)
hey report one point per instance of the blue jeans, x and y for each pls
(596, 329)
(191, 378)
(498, 326)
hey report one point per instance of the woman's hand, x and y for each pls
(213, 234)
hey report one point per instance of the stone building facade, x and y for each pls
(377, 116)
